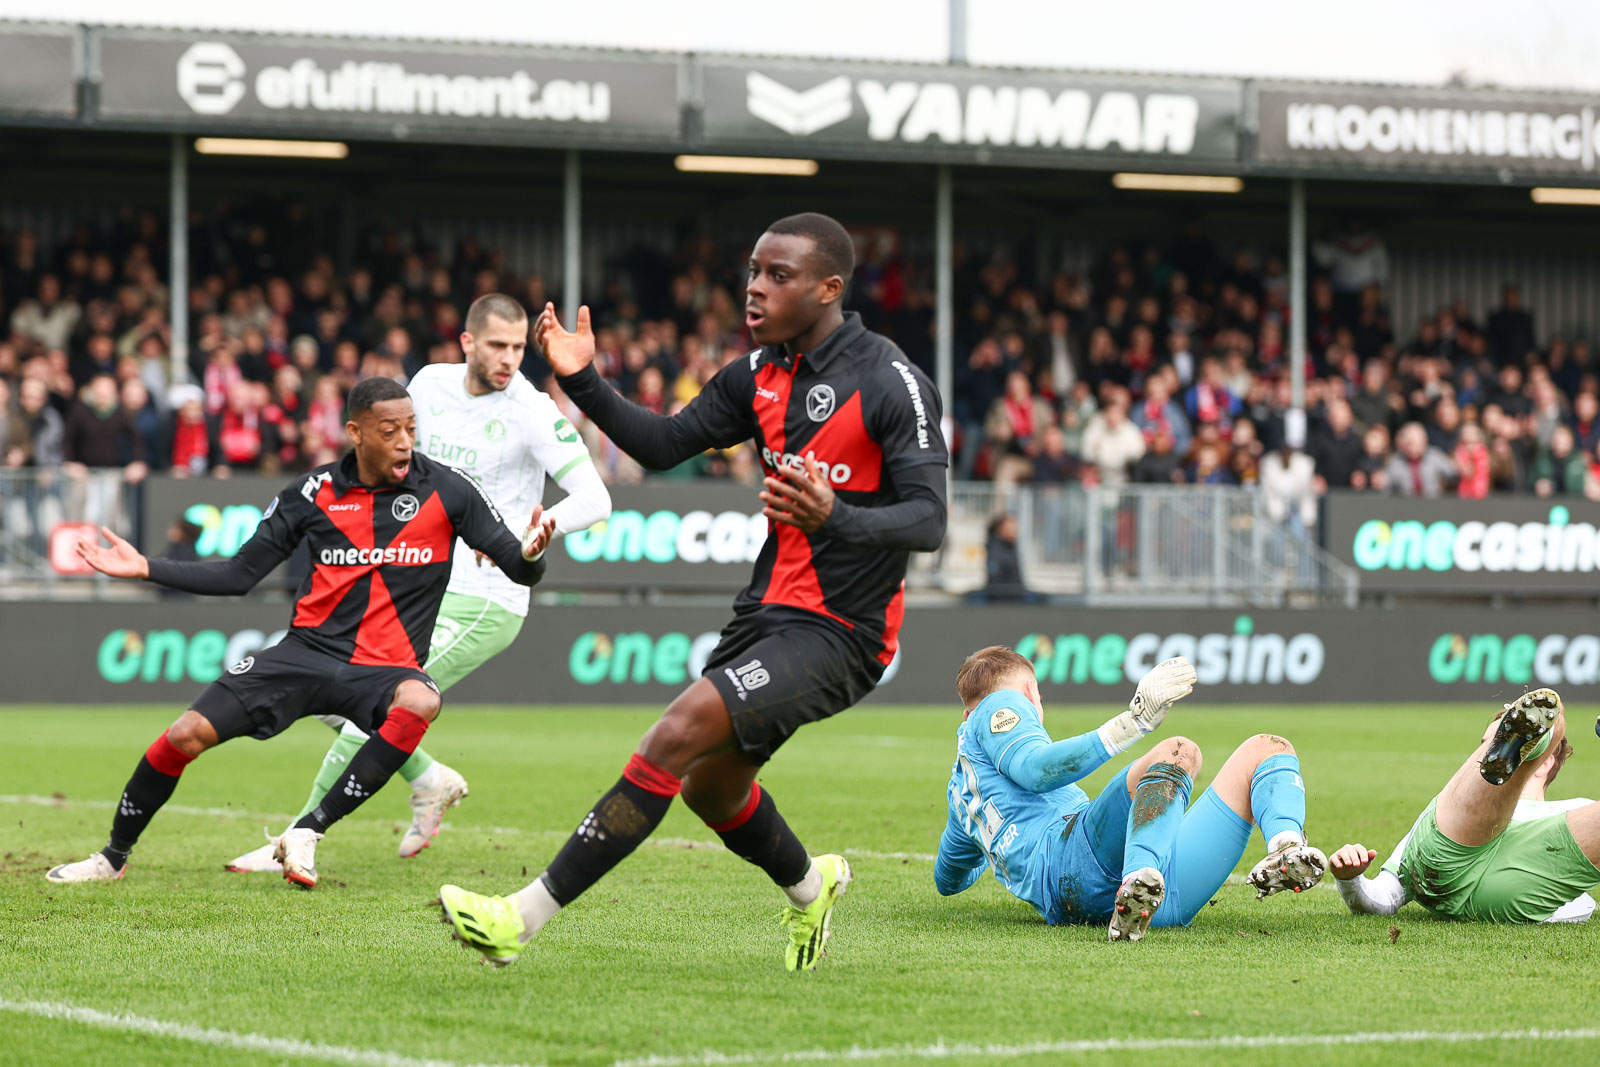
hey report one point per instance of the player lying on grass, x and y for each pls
(1135, 855)
(1489, 847)
(849, 438)
(484, 418)
(380, 523)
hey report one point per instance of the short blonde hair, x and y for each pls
(983, 671)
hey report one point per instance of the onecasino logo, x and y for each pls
(1243, 657)
(175, 656)
(1557, 546)
(665, 536)
(1521, 659)
(642, 659)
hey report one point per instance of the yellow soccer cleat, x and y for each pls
(492, 925)
(808, 926)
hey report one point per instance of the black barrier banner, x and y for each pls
(699, 536)
(1428, 130)
(389, 88)
(1509, 544)
(120, 652)
(37, 75)
(967, 113)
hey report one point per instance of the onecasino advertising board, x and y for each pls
(1506, 545)
(688, 537)
(166, 651)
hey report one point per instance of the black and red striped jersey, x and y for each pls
(380, 557)
(864, 413)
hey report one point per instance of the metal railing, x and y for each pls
(1188, 545)
(34, 503)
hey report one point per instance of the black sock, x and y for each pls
(373, 764)
(619, 821)
(142, 797)
(760, 835)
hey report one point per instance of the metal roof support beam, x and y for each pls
(178, 266)
(571, 241)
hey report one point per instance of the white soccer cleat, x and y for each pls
(1293, 867)
(94, 869)
(1138, 898)
(263, 860)
(296, 850)
(428, 807)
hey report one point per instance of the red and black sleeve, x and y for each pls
(720, 417)
(280, 531)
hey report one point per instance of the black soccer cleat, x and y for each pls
(1525, 723)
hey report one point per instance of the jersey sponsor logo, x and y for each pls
(243, 665)
(819, 403)
(836, 473)
(917, 405)
(768, 394)
(566, 433)
(406, 506)
(371, 557)
(1003, 721)
(313, 484)
(341, 507)
(447, 452)
(494, 429)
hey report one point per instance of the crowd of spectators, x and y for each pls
(1162, 363)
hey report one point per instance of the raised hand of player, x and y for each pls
(121, 560)
(540, 532)
(567, 353)
(1162, 686)
(801, 498)
(1351, 861)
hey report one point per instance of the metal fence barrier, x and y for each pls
(34, 505)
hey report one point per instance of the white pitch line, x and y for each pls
(941, 1050)
(277, 1046)
(36, 800)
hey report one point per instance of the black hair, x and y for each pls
(370, 391)
(835, 252)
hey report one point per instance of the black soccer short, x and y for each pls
(779, 669)
(263, 695)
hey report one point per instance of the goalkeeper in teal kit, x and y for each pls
(1136, 855)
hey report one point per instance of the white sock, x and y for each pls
(1285, 837)
(807, 889)
(427, 779)
(536, 906)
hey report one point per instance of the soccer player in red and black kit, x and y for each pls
(849, 435)
(381, 523)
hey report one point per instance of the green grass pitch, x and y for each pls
(677, 955)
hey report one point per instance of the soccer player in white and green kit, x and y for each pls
(485, 418)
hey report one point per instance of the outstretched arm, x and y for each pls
(270, 545)
(658, 442)
(960, 862)
(1382, 895)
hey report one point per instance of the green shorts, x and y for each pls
(1522, 876)
(467, 634)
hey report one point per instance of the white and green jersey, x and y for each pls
(508, 441)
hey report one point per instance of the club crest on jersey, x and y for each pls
(494, 429)
(406, 506)
(1003, 721)
(819, 403)
(243, 665)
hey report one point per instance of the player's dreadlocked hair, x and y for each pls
(835, 252)
(370, 391)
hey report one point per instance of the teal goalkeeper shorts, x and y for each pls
(468, 633)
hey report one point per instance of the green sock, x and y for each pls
(1541, 747)
(412, 768)
(333, 765)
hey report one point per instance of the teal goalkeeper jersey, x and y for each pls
(1009, 792)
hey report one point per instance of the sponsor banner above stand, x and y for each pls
(683, 536)
(1506, 135)
(967, 113)
(1501, 545)
(433, 91)
(38, 75)
(55, 652)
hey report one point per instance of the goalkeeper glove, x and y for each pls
(1163, 686)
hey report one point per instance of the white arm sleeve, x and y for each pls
(1382, 895)
(587, 502)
